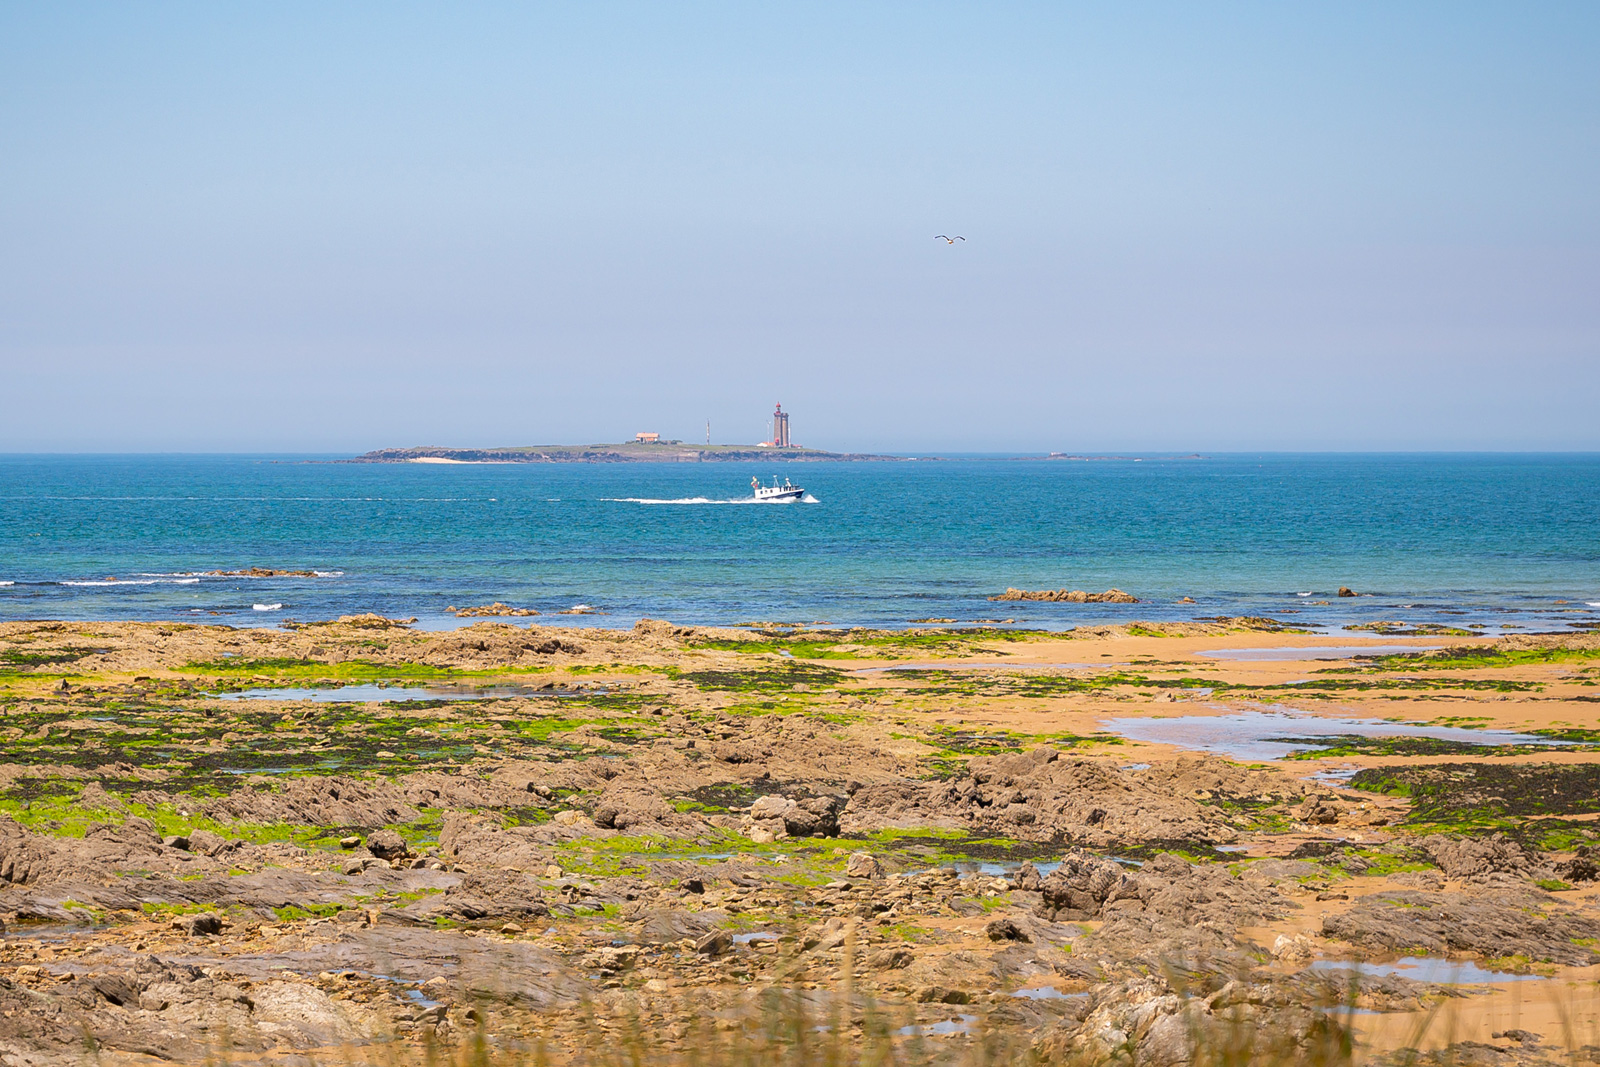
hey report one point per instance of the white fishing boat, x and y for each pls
(776, 491)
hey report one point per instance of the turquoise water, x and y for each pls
(1497, 540)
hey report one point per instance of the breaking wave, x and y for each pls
(266, 607)
(136, 581)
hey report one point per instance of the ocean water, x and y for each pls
(1508, 542)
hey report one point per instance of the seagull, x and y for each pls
(949, 240)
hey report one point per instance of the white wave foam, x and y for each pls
(266, 607)
(329, 574)
(1305, 594)
(807, 499)
(136, 581)
(8, 583)
(1591, 603)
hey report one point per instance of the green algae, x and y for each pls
(1473, 658)
(870, 644)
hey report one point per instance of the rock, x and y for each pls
(715, 943)
(1509, 921)
(1047, 795)
(889, 959)
(511, 928)
(207, 843)
(1080, 887)
(613, 959)
(1027, 878)
(762, 836)
(199, 925)
(1477, 857)
(1294, 949)
(387, 845)
(315, 801)
(814, 817)
(496, 893)
(1070, 596)
(496, 608)
(353, 866)
(1317, 811)
(665, 926)
(1146, 1021)
(1432, 881)
(1004, 929)
(771, 806)
(1521, 1037)
(1345, 590)
(177, 841)
(575, 819)
(1580, 868)
(349, 842)
(863, 865)
(633, 810)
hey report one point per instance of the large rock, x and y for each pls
(1046, 795)
(387, 845)
(863, 865)
(314, 802)
(1510, 921)
(497, 894)
(1478, 857)
(1150, 1021)
(1080, 887)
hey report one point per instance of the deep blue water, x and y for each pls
(1501, 538)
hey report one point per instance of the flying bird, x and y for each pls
(949, 240)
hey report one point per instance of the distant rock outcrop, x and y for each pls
(1070, 596)
(486, 610)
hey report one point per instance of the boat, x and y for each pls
(776, 491)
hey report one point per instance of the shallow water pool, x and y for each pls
(1316, 652)
(961, 1024)
(1271, 735)
(1435, 970)
(1047, 992)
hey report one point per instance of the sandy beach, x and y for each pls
(341, 835)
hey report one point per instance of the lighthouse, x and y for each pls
(780, 428)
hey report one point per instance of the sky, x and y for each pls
(310, 227)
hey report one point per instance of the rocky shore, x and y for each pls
(562, 839)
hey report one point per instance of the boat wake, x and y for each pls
(807, 499)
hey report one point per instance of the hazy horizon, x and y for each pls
(307, 230)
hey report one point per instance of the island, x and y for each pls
(622, 452)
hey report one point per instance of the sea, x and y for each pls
(1502, 543)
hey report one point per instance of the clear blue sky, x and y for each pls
(283, 226)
